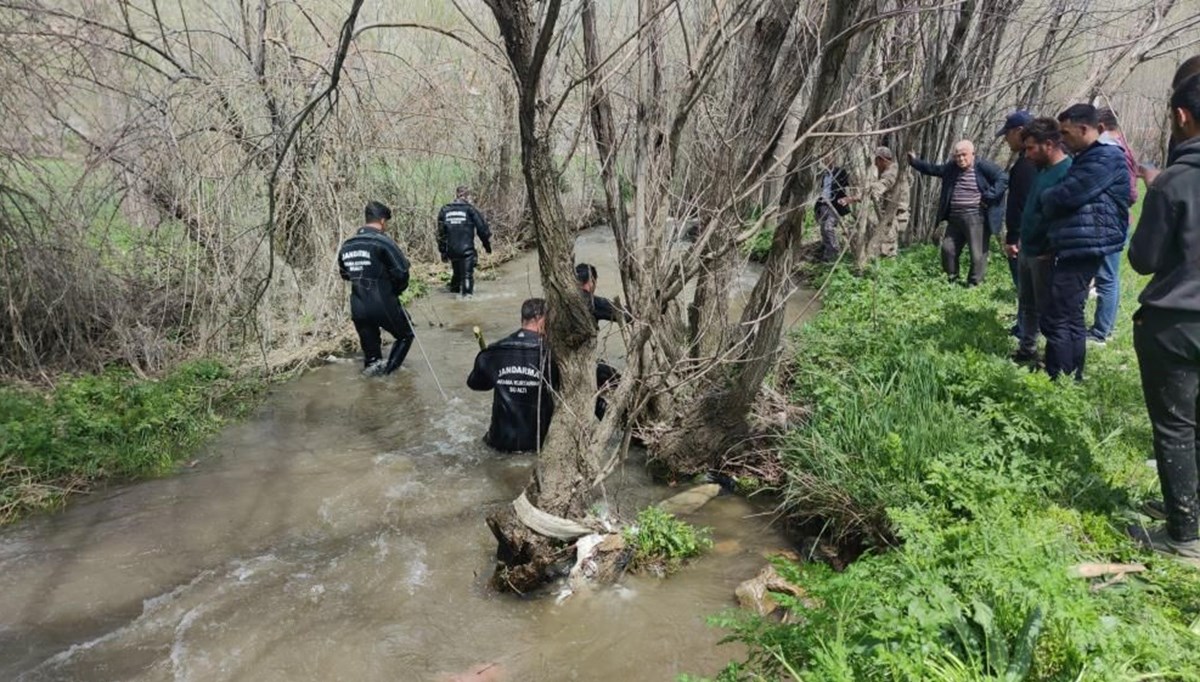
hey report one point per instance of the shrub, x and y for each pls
(661, 542)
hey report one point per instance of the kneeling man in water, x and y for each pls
(521, 375)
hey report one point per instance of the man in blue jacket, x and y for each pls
(971, 203)
(1166, 328)
(1087, 217)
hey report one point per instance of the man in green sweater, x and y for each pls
(1043, 146)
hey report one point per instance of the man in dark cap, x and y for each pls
(378, 273)
(1020, 178)
(458, 224)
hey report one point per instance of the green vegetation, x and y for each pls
(759, 245)
(661, 542)
(111, 425)
(91, 196)
(417, 287)
(974, 485)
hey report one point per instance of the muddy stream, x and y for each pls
(338, 534)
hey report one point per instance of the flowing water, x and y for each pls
(338, 534)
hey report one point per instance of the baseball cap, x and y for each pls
(1017, 119)
(884, 153)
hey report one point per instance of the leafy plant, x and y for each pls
(661, 542)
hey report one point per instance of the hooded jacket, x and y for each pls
(377, 271)
(1166, 243)
(519, 371)
(991, 180)
(458, 223)
(1087, 214)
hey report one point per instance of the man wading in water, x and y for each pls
(458, 223)
(602, 309)
(520, 373)
(378, 273)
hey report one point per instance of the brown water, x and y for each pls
(338, 535)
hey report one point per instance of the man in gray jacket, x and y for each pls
(1166, 332)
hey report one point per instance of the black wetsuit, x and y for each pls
(603, 309)
(378, 273)
(458, 223)
(519, 372)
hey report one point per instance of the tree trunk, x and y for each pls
(718, 421)
(567, 464)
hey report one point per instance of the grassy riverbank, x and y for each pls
(976, 485)
(95, 428)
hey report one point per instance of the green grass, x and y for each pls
(90, 198)
(93, 428)
(975, 485)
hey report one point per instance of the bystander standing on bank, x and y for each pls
(1166, 331)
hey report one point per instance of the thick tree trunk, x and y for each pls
(567, 464)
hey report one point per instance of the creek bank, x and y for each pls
(980, 494)
(93, 430)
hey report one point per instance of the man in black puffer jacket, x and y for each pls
(378, 273)
(458, 223)
(1087, 217)
(520, 372)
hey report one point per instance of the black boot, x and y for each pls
(399, 351)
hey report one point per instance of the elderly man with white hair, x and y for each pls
(972, 204)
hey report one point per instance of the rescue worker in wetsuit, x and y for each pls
(378, 273)
(520, 373)
(602, 309)
(458, 223)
